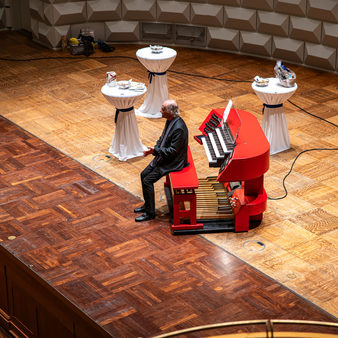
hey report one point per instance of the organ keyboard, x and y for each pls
(235, 199)
(219, 135)
(218, 145)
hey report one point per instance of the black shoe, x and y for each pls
(144, 217)
(140, 209)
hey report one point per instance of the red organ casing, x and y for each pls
(246, 164)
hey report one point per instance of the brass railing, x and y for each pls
(270, 331)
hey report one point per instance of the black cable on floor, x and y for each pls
(207, 77)
(293, 163)
(318, 117)
(74, 57)
(122, 57)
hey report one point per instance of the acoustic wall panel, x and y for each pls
(258, 4)
(103, 10)
(330, 34)
(273, 23)
(58, 32)
(60, 1)
(217, 2)
(305, 29)
(223, 2)
(320, 56)
(123, 31)
(173, 11)
(326, 10)
(292, 7)
(239, 18)
(43, 30)
(206, 14)
(139, 10)
(255, 43)
(35, 28)
(50, 35)
(66, 13)
(36, 8)
(288, 49)
(223, 38)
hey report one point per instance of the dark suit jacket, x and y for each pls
(172, 156)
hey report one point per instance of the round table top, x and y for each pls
(123, 98)
(274, 87)
(116, 91)
(147, 54)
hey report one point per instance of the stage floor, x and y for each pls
(82, 221)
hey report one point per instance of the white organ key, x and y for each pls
(206, 148)
(221, 140)
(214, 145)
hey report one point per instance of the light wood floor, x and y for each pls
(60, 102)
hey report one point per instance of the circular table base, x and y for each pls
(152, 116)
(126, 158)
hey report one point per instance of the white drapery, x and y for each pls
(274, 122)
(126, 142)
(158, 87)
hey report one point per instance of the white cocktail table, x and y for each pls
(157, 65)
(274, 122)
(126, 143)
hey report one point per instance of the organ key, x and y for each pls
(211, 157)
(214, 145)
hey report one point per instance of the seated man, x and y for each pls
(170, 154)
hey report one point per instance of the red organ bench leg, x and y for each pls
(182, 185)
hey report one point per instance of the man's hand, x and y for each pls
(148, 152)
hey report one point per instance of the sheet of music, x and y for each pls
(227, 110)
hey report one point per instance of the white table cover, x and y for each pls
(126, 143)
(158, 88)
(274, 122)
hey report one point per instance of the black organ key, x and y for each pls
(211, 149)
(208, 150)
(227, 136)
(218, 144)
(221, 141)
(213, 122)
(207, 130)
(225, 162)
(210, 126)
(215, 117)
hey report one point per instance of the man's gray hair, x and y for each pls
(172, 108)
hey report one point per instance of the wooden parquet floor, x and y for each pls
(69, 206)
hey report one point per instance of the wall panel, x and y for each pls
(265, 28)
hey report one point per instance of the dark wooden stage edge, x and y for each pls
(29, 306)
(73, 263)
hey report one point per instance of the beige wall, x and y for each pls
(298, 31)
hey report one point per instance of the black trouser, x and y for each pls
(149, 176)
